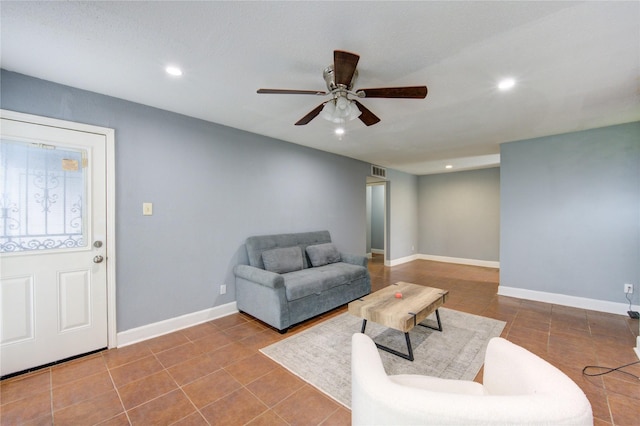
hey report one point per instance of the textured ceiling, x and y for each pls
(577, 66)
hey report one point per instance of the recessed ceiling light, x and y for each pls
(175, 71)
(339, 131)
(448, 166)
(506, 84)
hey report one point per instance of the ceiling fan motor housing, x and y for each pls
(329, 78)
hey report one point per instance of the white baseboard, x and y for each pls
(400, 260)
(170, 325)
(461, 261)
(564, 300)
(458, 260)
(637, 348)
(377, 251)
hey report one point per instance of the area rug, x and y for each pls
(321, 355)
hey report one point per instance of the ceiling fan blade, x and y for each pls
(313, 114)
(291, 92)
(344, 66)
(367, 117)
(413, 92)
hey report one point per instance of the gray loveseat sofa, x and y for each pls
(293, 277)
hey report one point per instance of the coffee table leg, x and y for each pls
(408, 356)
(406, 336)
(439, 323)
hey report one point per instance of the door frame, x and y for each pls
(109, 135)
(383, 184)
(374, 181)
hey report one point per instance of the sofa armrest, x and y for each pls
(354, 259)
(259, 276)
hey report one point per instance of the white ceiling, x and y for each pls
(577, 66)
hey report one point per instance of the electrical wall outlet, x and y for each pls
(223, 289)
(628, 288)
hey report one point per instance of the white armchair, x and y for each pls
(519, 388)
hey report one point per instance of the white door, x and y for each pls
(53, 273)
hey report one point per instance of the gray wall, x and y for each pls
(570, 213)
(459, 214)
(211, 187)
(402, 211)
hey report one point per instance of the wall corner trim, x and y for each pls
(565, 300)
(170, 325)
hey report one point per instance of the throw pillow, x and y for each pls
(323, 254)
(283, 260)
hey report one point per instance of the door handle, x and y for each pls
(98, 259)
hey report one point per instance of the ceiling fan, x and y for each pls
(340, 78)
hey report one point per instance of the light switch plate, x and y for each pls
(147, 209)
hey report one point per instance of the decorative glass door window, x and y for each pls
(42, 197)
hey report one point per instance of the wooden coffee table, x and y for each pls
(383, 307)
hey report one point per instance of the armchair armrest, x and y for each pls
(354, 259)
(259, 276)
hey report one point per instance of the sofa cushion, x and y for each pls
(283, 260)
(256, 245)
(299, 284)
(323, 254)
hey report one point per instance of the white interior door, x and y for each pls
(53, 245)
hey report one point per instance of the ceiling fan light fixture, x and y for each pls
(354, 111)
(340, 110)
(328, 110)
(342, 103)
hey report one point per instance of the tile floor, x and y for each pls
(213, 373)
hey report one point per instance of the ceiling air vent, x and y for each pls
(378, 171)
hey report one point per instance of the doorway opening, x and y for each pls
(376, 219)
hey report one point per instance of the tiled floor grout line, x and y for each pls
(126, 410)
(117, 392)
(51, 393)
(198, 410)
(192, 403)
(268, 408)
